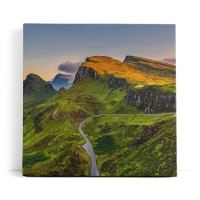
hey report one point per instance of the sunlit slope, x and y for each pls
(150, 66)
(130, 72)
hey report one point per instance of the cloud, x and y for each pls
(169, 60)
(69, 67)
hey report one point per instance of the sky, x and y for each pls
(50, 49)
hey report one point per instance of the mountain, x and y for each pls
(145, 71)
(158, 64)
(106, 85)
(152, 67)
(36, 90)
(149, 85)
(62, 80)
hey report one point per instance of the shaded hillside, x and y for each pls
(152, 67)
(36, 90)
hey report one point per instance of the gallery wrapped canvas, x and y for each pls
(99, 100)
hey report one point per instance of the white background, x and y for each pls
(185, 14)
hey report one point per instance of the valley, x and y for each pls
(142, 142)
(133, 144)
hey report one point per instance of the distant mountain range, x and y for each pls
(62, 80)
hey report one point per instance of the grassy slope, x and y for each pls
(52, 147)
(50, 152)
(37, 98)
(36, 90)
(49, 144)
(151, 69)
(134, 146)
(130, 72)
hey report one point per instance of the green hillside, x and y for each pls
(51, 135)
(52, 145)
(134, 145)
(36, 90)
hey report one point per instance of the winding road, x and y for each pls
(88, 147)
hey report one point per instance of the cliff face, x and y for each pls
(152, 100)
(118, 82)
(149, 99)
(83, 72)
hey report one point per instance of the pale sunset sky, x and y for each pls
(47, 46)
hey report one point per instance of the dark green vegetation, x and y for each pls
(134, 145)
(124, 146)
(36, 90)
(52, 143)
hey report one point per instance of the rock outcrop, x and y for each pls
(118, 82)
(149, 98)
(83, 72)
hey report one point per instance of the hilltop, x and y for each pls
(36, 90)
(158, 64)
(152, 67)
(129, 70)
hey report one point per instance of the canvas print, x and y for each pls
(99, 100)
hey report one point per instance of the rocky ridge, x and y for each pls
(149, 98)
